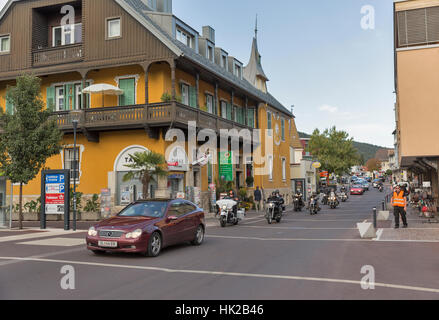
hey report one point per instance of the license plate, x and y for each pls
(108, 244)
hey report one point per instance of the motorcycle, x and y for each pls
(333, 201)
(381, 188)
(298, 202)
(274, 211)
(324, 197)
(227, 213)
(314, 207)
(343, 196)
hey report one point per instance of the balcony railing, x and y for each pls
(137, 116)
(57, 55)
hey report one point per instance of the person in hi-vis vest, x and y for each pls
(399, 203)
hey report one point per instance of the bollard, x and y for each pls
(375, 218)
(384, 208)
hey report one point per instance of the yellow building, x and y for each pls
(170, 75)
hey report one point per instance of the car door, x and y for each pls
(190, 221)
(174, 227)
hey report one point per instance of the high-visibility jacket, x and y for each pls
(399, 200)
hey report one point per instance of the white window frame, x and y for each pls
(238, 70)
(269, 121)
(284, 168)
(108, 22)
(136, 77)
(185, 94)
(3, 37)
(270, 167)
(57, 97)
(63, 34)
(185, 37)
(81, 151)
(209, 103)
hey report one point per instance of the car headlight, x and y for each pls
(92, 232)
(271, 205)
(224, 208)
(134, 235)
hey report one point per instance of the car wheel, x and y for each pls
(199, 236)
(154, 245)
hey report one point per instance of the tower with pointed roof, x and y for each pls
(254, 72)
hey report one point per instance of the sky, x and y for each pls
(317, 56)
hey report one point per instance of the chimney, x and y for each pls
(209, 33)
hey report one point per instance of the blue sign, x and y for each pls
(55, 178)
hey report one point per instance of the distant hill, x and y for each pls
(367, 150)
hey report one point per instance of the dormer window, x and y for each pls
(185, 38)
(67, 34)
(114, 28)
(210, 54)
(238, 70)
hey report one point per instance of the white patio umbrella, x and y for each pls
(104, 89)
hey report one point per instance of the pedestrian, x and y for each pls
(258, 199)
(399, 203)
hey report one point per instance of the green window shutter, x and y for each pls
(128, 87)
(50, 98)
(87, 96)
(229, 111)
(9, 107)
(193, 97)
(283, 129)
(251, 118)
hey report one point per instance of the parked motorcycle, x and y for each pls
(333, 201)
(274, 210)
(314, 207)
(229, 213)
(298, 202)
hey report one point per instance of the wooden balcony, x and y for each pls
(143, 117)
(57, 55)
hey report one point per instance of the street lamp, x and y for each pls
(75, 115)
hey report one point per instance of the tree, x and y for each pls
(373, 165)
(334, 150)
(146, 165)
(29, 136)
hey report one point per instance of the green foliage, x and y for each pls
(166, 97)
(146, 165)
(389, 172)
(334, 150)
(29, 135)
(223, 186)
(242, 193)
(78, 201)
(92, 204)
(33, 206)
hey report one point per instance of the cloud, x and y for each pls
(328, 108)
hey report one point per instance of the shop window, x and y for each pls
(72, 162)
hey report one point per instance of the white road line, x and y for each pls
(49, 233)
(285, 239)
(312, 220)
(229, 274)
(298, 228)
(379, 233)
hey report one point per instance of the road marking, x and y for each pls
(379, 233)
(312, 220)
(298, 228)
(229, 274)
(56, 242)
(50, 254)
(48, 233)
(285, 239)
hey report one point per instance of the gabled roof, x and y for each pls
(138, 10)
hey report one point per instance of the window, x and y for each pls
(67, 34)
(251, 118)
(128, 86)
(185, 38)
(282, 124)
(224, 62)
(5, 44)
(209, 103)
(417, 27)
(270, 167)
(113, 28)
(269, 126)
(78, 97)
(185, 94)
(210, 53)
(69, 162)
(238, 71)
(59, 98)
(188, 95)
(284, 169)
(224, 109)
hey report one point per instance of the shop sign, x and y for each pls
(105, 203)
(177, 160)
(426, 184)
(181, 195)
(124, 158)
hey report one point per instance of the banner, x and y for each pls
(225, 166)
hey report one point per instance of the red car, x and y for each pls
(147, 227)
(357, 190)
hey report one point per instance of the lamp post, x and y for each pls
(75, 114)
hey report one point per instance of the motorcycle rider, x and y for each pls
(299, 195)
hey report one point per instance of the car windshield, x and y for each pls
(152, 209)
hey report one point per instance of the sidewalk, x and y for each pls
(419, 229)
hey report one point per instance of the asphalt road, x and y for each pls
(303, 257)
